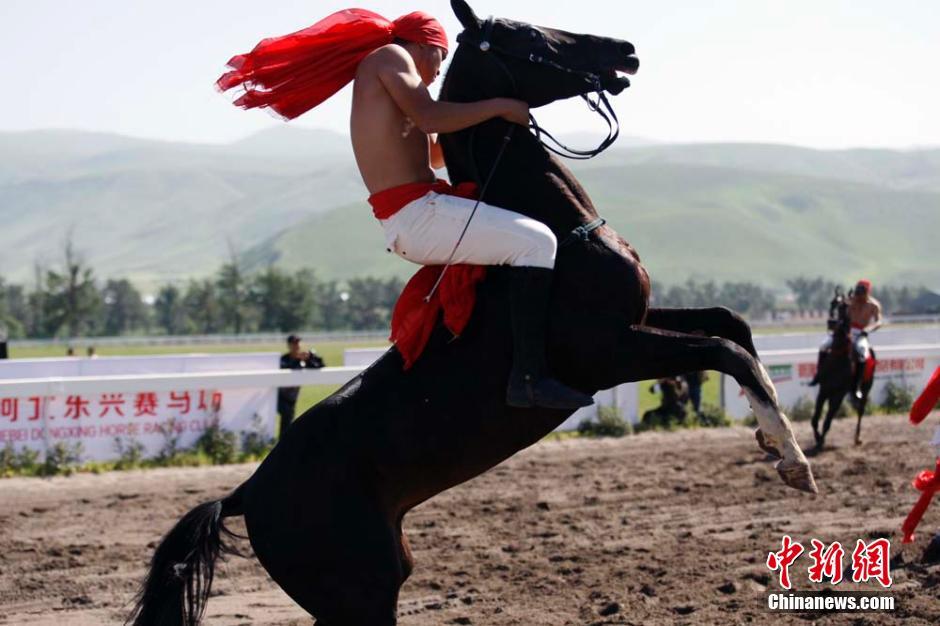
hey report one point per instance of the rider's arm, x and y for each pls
(437, 154)
(877, 323)
(396, 70)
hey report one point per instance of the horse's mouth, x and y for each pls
(630, 66)
(616, 78)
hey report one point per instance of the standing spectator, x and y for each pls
(694, 382)
(70, 351)
(294, 359)
(91, 353)
(3, 342)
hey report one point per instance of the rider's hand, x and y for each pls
(515, 111)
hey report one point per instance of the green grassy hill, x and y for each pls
(691, 220)
(156, 211)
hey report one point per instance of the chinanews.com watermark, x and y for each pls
(869, 563)
(829, 601)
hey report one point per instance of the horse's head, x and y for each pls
(839, 323)
(541, 65)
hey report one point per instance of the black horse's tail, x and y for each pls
(177, 587)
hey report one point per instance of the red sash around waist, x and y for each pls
(388, 202)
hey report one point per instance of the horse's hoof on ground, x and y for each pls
(798, 475)
(765, 444)
(858, 441)
(932, 551)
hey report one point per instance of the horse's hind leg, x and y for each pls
(644, 353)
(866, 389)
(345, 568)
(835, 403)
(817, 412)
(861, 414)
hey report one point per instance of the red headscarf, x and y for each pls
(864, 284)
(296, 72)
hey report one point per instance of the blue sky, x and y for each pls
(822, 73)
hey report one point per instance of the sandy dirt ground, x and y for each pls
(658, 528)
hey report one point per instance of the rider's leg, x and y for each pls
(861, 356)
(427, 234)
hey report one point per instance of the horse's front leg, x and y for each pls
(726, 324)
(644, 353)
(712, 321)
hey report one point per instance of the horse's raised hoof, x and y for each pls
(798, 475)
(765, 444)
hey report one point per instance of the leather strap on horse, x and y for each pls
(581, 233)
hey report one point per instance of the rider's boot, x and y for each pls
(529, 384)
(819, 361)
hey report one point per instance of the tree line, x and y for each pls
(69, 301)
(807, 296)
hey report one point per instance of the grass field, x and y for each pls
(332, 352)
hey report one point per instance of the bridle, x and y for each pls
(599, 104)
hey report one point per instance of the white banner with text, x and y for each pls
(105, 421)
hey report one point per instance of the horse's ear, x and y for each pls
(465, 15)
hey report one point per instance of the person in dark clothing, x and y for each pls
(693, 381)
(672, 409)
(294, 359)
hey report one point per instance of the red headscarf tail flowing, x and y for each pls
(296, 72)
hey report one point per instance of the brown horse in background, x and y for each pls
(837, 374)
(324, 511)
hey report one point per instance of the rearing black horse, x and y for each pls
(324, 510)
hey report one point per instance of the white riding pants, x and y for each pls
(425, 231)
(859, 342)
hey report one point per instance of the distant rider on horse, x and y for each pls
(864, 313)
(394, 128)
